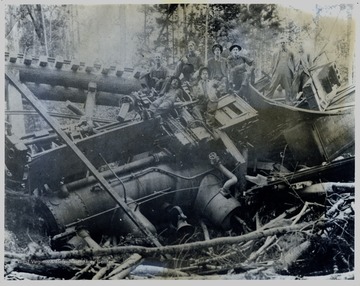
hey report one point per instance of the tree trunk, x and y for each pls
(61, 269)
(125, 268)
(173, 249)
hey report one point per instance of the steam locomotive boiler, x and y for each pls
(137, 175)
(134, 176)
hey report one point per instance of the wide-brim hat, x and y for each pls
(235, 45)
(217, 46)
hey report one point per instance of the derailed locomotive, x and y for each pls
(138, 175)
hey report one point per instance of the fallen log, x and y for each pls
(47, 268)
(254, 255)
(101, 273)
(28, 276)
(82, 271)
(146, 270)
(265, 274)
(274, 222)
(125, 268)
(173, 249)
(290, 257)
(206, 235)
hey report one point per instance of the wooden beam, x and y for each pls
(14, 101)
(230, 146)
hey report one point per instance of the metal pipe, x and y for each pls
(215, 161)
(84, 234)
(157, 157)
(232, 178)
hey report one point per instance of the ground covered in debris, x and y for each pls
(303, 241)
(283, 235)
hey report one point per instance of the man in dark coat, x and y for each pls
(217, 65)
(283, 71)
(303, 62)
(189, 63)
(237, 67)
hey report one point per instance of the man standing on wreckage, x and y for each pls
(283, 71)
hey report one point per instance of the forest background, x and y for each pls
(128, 35)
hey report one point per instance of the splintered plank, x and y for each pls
(230, 146)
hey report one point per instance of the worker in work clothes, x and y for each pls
(158, 73)
(165, 103)
(237, 68)
(283, 71)
(189, 63)
(217, 66)
(155, 78)
(303, 62)
(206, 95)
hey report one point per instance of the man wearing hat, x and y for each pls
(237, 67)
(283, 71)
(189, 63)
(217, 65)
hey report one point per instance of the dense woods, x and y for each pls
(130, 34)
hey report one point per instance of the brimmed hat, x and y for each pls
(235, 45)
(217, 46)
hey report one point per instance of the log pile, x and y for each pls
(306, 241)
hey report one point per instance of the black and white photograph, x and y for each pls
(172, 140)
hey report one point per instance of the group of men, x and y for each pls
(289, 72)
(207, 82)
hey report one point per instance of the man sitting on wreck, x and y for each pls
(165, 103)
(239, 74)
(158, 73)
(188, 64)
(206, 96)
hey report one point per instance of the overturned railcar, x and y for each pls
(132, 174)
